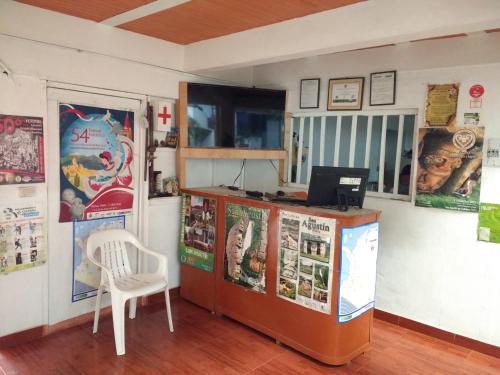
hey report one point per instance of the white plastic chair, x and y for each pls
(118, 279)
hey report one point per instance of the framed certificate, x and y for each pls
(309, 93)
(383, 88)
(345, 93)
(441, 106)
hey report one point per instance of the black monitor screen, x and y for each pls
(327, 182)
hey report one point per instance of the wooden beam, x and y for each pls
(182, 127)
(231, 153)
(283, 163)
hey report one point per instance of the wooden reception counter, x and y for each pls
(329, 336)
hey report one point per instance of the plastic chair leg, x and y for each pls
(119, 323)
(132, 308)
(169, 311)
(97, 309)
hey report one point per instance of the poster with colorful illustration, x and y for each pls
(22, 236)
(441, 106)
(21, 150)
(358, 271)
(86, 275)
(245, 249)
(449, 168)
(197, 238)
(305, 266)
(96, 162)
(489, 222)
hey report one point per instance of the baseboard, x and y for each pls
(450, 337)
(25, 336)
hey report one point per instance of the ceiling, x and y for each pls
(185, 22)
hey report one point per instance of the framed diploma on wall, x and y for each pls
(383, 88)
(309, 93)
(345, 94)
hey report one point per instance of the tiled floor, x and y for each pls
(206, 344)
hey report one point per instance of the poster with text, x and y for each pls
(441, 106)
(449, 168)
(245, 249)
(96, 162)
(489, 222)
(197, 237)
(358, 271)
(22, 236)
(305, 266)
(21, 150)
(86, 275)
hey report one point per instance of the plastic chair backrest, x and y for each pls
(113, 251)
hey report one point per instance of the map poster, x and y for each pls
(358, 271)
(449, 168)
(197, 237)
(22, 237)
(86, 275)
(21, 150)
(489, 222)
(96, 162)
(305, 265)
(245, 249)
(441, 106)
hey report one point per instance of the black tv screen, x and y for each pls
(237, 117)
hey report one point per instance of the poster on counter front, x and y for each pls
(22, 236)
(449, 168)
(198, 228)
(245, 250)
(358, 271)
(96, 162)
(489, 222)
(441, 106)
(86, 275)
(305, 264)
(21, 150)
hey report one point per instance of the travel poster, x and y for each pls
(86, 275)
(489, 222)
(449, 168)
(22, 237)
(358, 271)
(96, 162)
(21, 150)
(441, 106)
(245, 249)
(198, 227)
(305, 266)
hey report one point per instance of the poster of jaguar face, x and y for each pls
(21, 150)
(197, 237)
(245, 249)
(449, 168)
(305, 264)
(96, 162)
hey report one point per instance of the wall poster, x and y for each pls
(246, 246)
(86, 275)
(21, 150)
(198, 228)
(449, 168)
(305, 266)
(22, 236)
(96, 162)
(358, 271)
(489, 222)
(441, 106)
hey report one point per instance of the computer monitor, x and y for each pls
(327, 184)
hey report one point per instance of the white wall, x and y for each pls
(430, 268)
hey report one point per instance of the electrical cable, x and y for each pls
(278, 172)
(241, 170)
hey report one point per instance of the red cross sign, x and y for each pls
(164, 116)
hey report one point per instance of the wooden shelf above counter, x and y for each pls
(231, 153)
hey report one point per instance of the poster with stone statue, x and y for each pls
(305, 265)
(245, 249)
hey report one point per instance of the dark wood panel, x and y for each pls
(202, 19)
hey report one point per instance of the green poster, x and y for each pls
(489, 222)
(246, 246)
(197, 238)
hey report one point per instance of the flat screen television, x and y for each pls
(236, 117)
